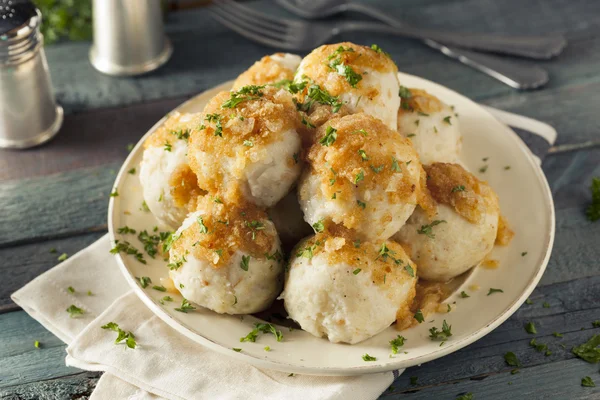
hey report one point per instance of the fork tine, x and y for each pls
(248, 26)
(242, 13)
(248, 22)
(265, 17)
(250, 35)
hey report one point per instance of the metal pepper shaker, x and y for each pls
(29, 114)
(129, 37)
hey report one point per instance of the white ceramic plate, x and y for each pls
(525, 200)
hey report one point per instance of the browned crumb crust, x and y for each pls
(420, 101)
(266, 70)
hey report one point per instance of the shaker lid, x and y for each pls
(14, 14)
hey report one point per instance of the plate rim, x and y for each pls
(367, 369)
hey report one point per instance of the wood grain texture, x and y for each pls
(78, 386)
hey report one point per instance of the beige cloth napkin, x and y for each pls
(166, 364)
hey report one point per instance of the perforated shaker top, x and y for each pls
(15, 13)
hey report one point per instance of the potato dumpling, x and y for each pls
(463, 231)
(269, 69)
(346, 290)
(247, 147)
(363, 79)
(431, 125)
(227, 259)
(169, 186)
(361, 175)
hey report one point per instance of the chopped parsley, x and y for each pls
(356, 243)
(89, 293)
(36, 344)
(236, 349)
(316, 94)
(248, 143)
(397, 343)
(114, 193)
(168, 241)
(523, 254)
(181, 134)
(361, 204)
(593, 210)
(290, 86)
(339, 51)
(546, 305)
(126, 230)
(444, 334)
(483, 169)
(419, 316)
(307, 252)
(464, 295)
(589, 350)
(130, 147)
(318, 226)
(267, 348)
(246, 93)
(587, 382)
(359, 177)
(466, 396)
(70, 289)
(363, 155)
(330, 136)
(262, 328)
(404, 92)
(216, 118)
(166, 298)
(530, 328)
(127, 248)
(556, 334)
(254, 227)
(377, 169)
(144, 281)
(395, 165)
(128, 337)
(511, 359)
(52, 250)
(540, 347)
(447, 120)
(506, 168)
(596, 324)
(427, 230)
(367, 357)
(203, 228)
(245, 263)
(528, 301)
(151, 242)
(176, 263)
(379, 50)
(144, 207)
(492, 291)
(160, 288)
(307, 123)
(131, 171)
(411, 135)
(168, 146)
(459, 188)
(185, 307)
(356, 271)
(74, 311)
(410, 270)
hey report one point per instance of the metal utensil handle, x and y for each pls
(518, 76)
(538, 47)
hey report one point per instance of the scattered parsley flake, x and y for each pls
(127, 248)
(523, 254)
(361, 131)
(264, 328)
(587, 382)
(356, 243)
(427, 230)
(397, 343)
(307, 123)
(483, 169)
(166, 298)
(128, 337)
(589, 350)
(267, 348)
(395, 165)
(236, 349)
(511, 359)
(379, 50)
(530, 328)
(411, 135)
(74, 311)
(419, 316)
(63, 257)
(168, 146)
(36, 344)
(130, 147)
(70, 289)
(593, 210)
(447, 120)
(464, 295)
(144, 207)
(245, 93)
(125, 230)
(52, 250)
(404, 92)
(160, 288)
(546, 305)
(466, 396)
(216, 118)
(203, 228)
(248, 143)
(245, 263)
(318, 226)
(410, 270)
(185, 307)
(367, 357)
(359, 177)
(528, 301)
(144, 281)
(356, 271)
(492, 291)
(131, 171)
(377, 169)
(506, 168)
(444, 334)
(596, 324)
(330, 136)
(89, 293)
(459, 188)
(363, 155)
(556, 334)
(361, 204)
(114, 193)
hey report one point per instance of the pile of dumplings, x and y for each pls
(322, 182)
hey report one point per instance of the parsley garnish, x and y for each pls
(367, 357)
(70, 289)
(245, 262)
(419, 316)
(315, 93)
(74, 311)
(511, 359)
(361, 204)
(363, 155)
(127, 248)
(114, 193)
(377, 169)
(492, 291)
(444, 334)
(185, 306)
(255, 226)
(587, 382)
(530, 328)
(125, 230)
(411, 135)
(378, 49)
(236, 349)
(483, 169)
(160, 288)
(168, 146)
(131, 171)
(203, 228)
(168, 241)
(460, 188)
(347, 72)
(307, 252)
(427, 229)
(307, 123)
(36, 344)
(359, 177)
(181, 134)
(318, 226)
(248, 143)
(546, 304)
(151, 242)
(410, 270)
(593, 210)
(130, 147)
(523, 254)
(528, 301)
(356, 243)
(396, 343)
(395, 165)
(447, 120)
(216, 118)
(330, 136)
(466, 396)
(264, 328)
(144, 207)
(128, 337)
(176, 264)
(589, 350)
(166, 298)
(356, 271)
(144, 281)
(404, 92)
(63, 257)
(246, 93)
(556, 334)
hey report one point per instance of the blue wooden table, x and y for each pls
(56, 196)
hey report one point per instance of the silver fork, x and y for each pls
(512, 74)
(295, 35)
(300, 35)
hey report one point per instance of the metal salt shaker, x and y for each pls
(129, 37)
(29, 114)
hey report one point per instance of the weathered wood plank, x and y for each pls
(79, 386)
